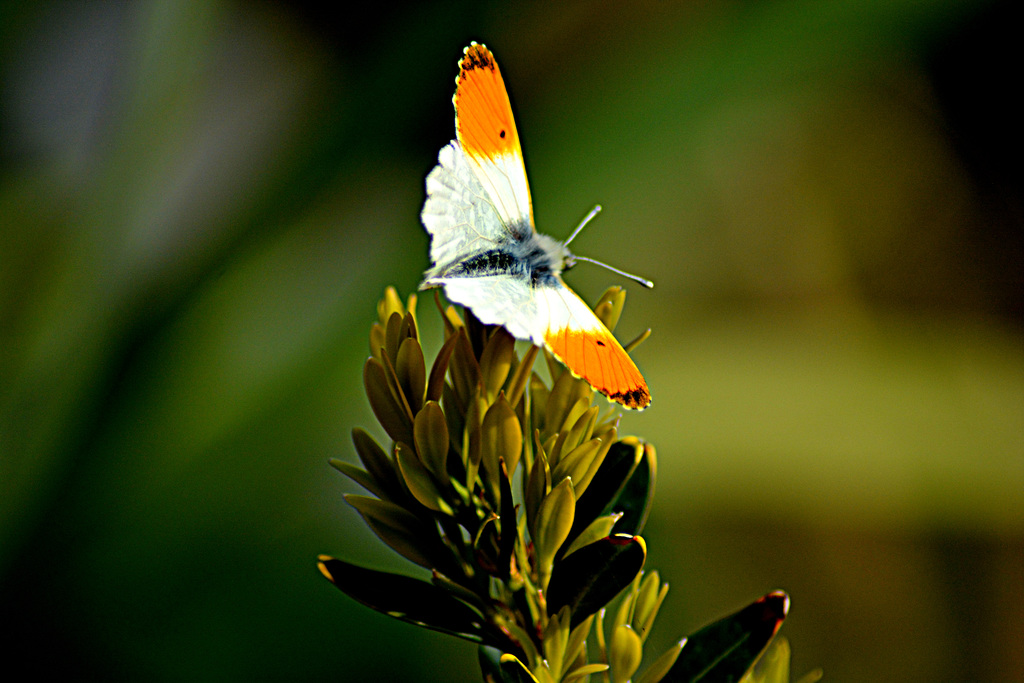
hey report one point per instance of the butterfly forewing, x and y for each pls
(487, 132)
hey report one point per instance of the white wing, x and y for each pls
(503, 301)
(459, 214)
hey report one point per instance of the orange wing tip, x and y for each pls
(483, 115)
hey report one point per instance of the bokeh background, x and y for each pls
(201, 202)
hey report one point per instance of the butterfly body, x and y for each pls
(486, 253)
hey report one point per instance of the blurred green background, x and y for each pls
(201, 202)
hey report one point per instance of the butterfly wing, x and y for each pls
(478, 197)
(555, 317)
(577, 337)
(458, 214)
(487, 133)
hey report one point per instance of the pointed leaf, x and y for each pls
(656, 671)
(359, 476)
(392, 336)
(435, 385)
(496, 361)
(419, 481)
(509, 527)
(582, 429)
(430, 431)
(586, 670)
(606, 485)
(724, 650)
(405, 598)
(589, 578)
(608, 438)
(403, 531)
(566, 394)
(575, 648)
(521, 377)
(598, 529)
(554, 521)
(501, 437)
(392, 415)
(464, 369)
(412, 372)
(537, 486)
(392, 303)
(624, 653)
(554, 641)
(609, 307)
(377, 463)
(576, 463)
(648, 601)
(638, 493)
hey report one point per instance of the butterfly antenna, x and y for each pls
(586, 219)
(636, 278)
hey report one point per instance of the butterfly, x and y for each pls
(488, 256)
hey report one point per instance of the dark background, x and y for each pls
(201, 202)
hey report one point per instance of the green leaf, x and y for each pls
(412, 372)
(638, 493)
(377, 463)
(521, 378)
(464, 370)
(647, 603)
(405, 598)
(590, 577)
(537, 486)
(724, 650)
(598, 529)
(435, 384)
(624, 653)
(501, 437)
(509, 528)
(496, 361)
(601, 495)
(393, 336)
(402, 530)
(392, 415)
(554, 520)
(661, 666)
(609, 307)
(430, 431)
(577, 463)
(567, 394)
(359, 476)
(419, 481)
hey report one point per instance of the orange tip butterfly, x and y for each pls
(487, 254)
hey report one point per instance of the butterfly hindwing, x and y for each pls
(458, 216)
(578, 338)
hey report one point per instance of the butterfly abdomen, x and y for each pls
(493, 262)
(538, 260)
